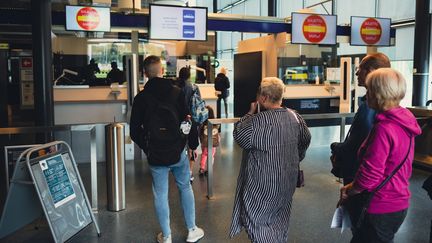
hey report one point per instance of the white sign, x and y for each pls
(313, 29)
(178, 23)
(26, 74)
(333, 74)
(87, 18)
(367, 31)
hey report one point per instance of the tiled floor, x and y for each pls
(313, 205)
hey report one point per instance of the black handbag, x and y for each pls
(300, 178)
(357, 205)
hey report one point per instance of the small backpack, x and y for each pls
(198, 108)
(163, 132)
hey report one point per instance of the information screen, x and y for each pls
(178, 23)
(313, 29)
(87, 18)
(58, 180)
(61, 194)
(366, 31)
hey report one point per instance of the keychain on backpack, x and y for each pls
(186, 125)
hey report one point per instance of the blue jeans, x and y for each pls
(181, 173)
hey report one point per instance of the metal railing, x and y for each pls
(211, 122)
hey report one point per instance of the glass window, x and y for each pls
(404, 47)
(205, 3)
(252, 7)
(285, 8)
(346, 9)
(264, 8)
(404, 9)
(238, 9)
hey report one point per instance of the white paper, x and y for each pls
(341, 219)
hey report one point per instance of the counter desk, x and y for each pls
(83, 104)
(423, 142)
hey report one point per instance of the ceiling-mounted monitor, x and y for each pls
(368, 31)
(88, 18)
(313, 29)
(178, 23)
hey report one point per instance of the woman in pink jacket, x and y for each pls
(387, 146)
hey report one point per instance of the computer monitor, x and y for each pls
(313, 29)
(88, 18)
(368, 31)
(178, 23)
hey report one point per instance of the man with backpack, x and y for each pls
(157, 127)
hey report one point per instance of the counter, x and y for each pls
(81, 104)
(312, 91)
(84, 105)
(423, 142)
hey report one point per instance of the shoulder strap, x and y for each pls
(395, 170)
(382, 184)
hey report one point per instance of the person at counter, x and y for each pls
(344, 155)
(115, 75)
(222, 86)
(89, 72)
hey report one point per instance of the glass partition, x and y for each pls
(305, 64)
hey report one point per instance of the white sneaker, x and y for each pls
(161, 239)
(195, 234)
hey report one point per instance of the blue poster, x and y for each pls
(58, 181)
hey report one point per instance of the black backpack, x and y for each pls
(165, 140)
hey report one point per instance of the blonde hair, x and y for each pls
(273, 88)
(387, 85)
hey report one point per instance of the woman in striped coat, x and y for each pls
(274, 142)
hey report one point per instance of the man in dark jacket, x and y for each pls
(115, 75)
(161, 99)
(345, 154)
(222, 85)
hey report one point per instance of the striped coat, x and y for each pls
(274, 142)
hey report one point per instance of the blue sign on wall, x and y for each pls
(189, 16)
(188, 31)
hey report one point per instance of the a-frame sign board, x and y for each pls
(49, 184)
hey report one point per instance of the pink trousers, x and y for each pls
(203, 163)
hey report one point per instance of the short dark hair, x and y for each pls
(184, 73)
(149, 63)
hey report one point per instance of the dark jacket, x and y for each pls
(347, 151)
(116, 75)
(142, 110)
(222, 84)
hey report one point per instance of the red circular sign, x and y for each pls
(370, 31)
(88, 18)
(314, 28)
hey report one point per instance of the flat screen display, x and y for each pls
(178, 23)
(313, 29)
(366, 31)
(88, 18)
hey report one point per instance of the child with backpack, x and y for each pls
(196, 110)
(204, 141)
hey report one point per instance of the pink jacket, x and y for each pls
(383, 152)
